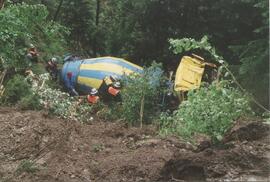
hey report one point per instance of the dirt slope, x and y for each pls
(244, 156)
(103, 151)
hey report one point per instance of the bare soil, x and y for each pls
(59, 150)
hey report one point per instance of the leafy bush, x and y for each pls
(166, 124)
(141, 87)
(22, 24)
(110, 112)
(16, 88)
(30, 101)
(179, 46)
(208, 110)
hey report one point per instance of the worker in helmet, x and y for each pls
(70, 85)
(51, 67)
(32, 53)
(107, 83)
(114, 89)
(93, 97)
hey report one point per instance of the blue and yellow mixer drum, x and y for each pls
(89, 73)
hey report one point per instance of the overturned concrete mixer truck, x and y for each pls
(89, 73)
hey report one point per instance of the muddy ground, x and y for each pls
(36, 147)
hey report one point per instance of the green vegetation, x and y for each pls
(111, 112)
(18, 91)
(209, 110)
(98, 147)
(184, 45)
(23, 24)
(142, 91)
(27, 166)
(136, 30)
(30, 102)
(140, 98)
(16, 88)
(58, 102)
(254, 57)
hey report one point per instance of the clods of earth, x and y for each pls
(36, 147)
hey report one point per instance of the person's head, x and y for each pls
(32, 46)
(93, 91)
(114, 78)
(117, 85)
(54, 60)
(69, 75)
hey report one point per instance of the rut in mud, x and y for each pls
(104, 151)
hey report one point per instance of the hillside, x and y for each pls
(36, 147)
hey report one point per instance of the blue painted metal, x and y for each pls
(74, 68)
(85, 76)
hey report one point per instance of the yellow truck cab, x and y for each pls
(189, 74)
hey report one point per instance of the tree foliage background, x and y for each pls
(139, 31)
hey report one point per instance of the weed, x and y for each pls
(98, 147)
(27, 166)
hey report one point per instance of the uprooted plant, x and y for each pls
(59, 103)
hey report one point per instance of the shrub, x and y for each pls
(208, 110)
(166, 124)
(110, 112)
(141, 87)
(22, 24)
(30, 101)
(16, 88)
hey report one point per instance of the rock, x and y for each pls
(202, 142)
(149, 142)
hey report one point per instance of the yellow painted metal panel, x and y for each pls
(139, 67)
(106, 67)
(90, 82)
(189, 74)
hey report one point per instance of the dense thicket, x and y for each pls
(139, 30)
(22, 25)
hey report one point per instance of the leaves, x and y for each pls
(59, 103)
(180, 46)
(136, 87)
(254, 57)
(209, 110)
(23, 24)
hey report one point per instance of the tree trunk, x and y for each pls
(2, 2)
(97, 12)
(142, 111)
(57, 11)
(97, 22)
